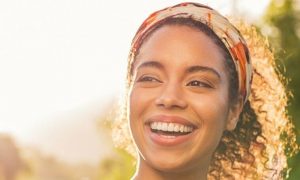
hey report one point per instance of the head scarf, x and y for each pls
(229, 35)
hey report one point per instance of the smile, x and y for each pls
(169, 130)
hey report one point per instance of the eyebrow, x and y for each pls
(154, 64)
(194, 69)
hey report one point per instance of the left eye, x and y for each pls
(198, 84)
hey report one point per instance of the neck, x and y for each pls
(145, 170)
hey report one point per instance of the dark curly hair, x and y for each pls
(255, 149)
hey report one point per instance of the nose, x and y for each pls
(171, 97)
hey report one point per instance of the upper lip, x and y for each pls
(171, 119)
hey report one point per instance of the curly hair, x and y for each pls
(264, 137)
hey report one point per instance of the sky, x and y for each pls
(63, 61)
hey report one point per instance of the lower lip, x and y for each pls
(165, 140)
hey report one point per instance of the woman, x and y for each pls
(195, 110)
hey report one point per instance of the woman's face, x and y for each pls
(179, 104)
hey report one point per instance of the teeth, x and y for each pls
(181, 128)
(165, 127)
(171, 127)
(176, 128)
(159, 126)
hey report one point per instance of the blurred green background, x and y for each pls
(281, 23)
(283, 19)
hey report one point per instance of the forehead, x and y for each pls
(181, 45)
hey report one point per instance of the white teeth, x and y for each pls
(164, 126)
(176, 128)
(171, 127)
(159, 126)
(186, 129)
(181, 128)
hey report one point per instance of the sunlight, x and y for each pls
(61, 56)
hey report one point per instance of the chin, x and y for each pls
(167, 166)
(168, 162)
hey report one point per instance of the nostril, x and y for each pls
(171, 95)
(170, 102)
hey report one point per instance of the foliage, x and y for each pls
(119, 167)
(283, 23)
(19, 163)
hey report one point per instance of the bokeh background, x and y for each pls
(62, 71)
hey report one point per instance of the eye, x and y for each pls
(199, 84)
(148, 79)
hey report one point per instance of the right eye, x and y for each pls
(148, 79)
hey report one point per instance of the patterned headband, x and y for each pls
(229, 35)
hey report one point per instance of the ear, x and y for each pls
(234, 113)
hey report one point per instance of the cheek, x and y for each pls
(212, 111)
(133, 107)
(133, 116)
(210, 105)
(216, 115)
(139, 103)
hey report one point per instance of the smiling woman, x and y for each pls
(188, 106)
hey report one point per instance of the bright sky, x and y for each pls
(57, 56)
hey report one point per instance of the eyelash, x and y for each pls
(199, 84)
(191, 83)
(148, 79)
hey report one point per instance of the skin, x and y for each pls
(167, 80)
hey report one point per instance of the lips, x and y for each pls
(169, 130)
